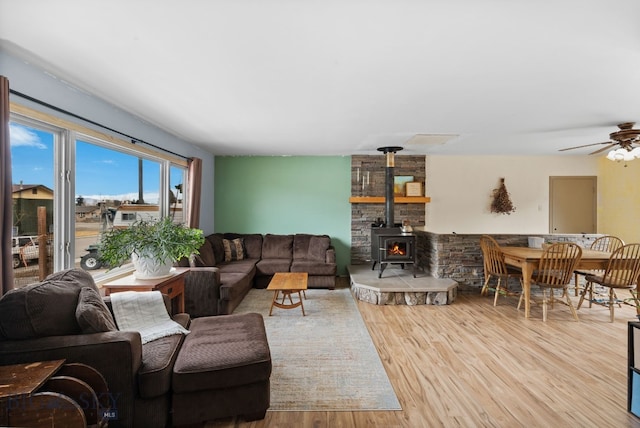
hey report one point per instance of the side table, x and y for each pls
(173, 286)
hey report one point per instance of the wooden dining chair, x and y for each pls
(554, 271)
(606, 243)
(494, 266)
(622, 272)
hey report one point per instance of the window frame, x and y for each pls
(66, 134)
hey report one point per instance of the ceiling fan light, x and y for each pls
(612, 155)
(619, 155)
(635, 152)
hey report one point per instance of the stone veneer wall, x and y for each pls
(368, 179)
(459, 256)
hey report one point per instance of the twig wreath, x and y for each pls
(501, 203)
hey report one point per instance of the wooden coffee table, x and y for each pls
(288, 283)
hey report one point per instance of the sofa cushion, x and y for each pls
(92, 313)
(233, 249)
(253, 245)
(158, 358)
(311, 247)
(206, 256)
(46, 308)
(233, 289)
(234, 285)
(277, 247)
(313, 268)
(215, 239)
(246, 266)
(271, 266)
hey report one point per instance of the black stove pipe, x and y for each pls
(389, 204)
(389, 179)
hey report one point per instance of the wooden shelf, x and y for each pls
(396, 200)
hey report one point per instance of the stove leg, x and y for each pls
(382, 266)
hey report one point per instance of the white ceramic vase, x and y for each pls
(149, 267)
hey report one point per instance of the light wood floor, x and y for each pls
(472, 365)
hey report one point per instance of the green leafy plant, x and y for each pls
(162, 240)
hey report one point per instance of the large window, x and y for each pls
(69, 186)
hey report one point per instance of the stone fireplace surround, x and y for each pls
(368, 179)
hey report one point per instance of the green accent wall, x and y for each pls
(285, 195)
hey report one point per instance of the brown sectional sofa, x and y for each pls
(150, 382)
(259, 257)
(38, 323)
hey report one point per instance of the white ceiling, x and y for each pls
(340, 77)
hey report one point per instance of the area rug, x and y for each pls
(324, 361)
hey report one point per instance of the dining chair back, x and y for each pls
(622, 272)
(554, 271)
(607, 243)
(494, 266)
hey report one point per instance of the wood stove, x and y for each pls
(390, 245)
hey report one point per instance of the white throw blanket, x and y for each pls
(145, 313)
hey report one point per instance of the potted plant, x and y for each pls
(153, 246)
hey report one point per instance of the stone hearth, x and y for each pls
(399, 287)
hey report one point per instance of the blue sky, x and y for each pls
(100, 173)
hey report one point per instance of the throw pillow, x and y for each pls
(92, 314)
(46, 308)
(207, 256)
(318, 246)
(233, 249)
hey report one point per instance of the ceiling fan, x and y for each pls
(626, 138)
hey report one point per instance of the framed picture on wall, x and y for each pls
(399, 182)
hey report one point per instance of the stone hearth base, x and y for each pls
(398, 287)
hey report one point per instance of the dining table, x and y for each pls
(527, 259)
